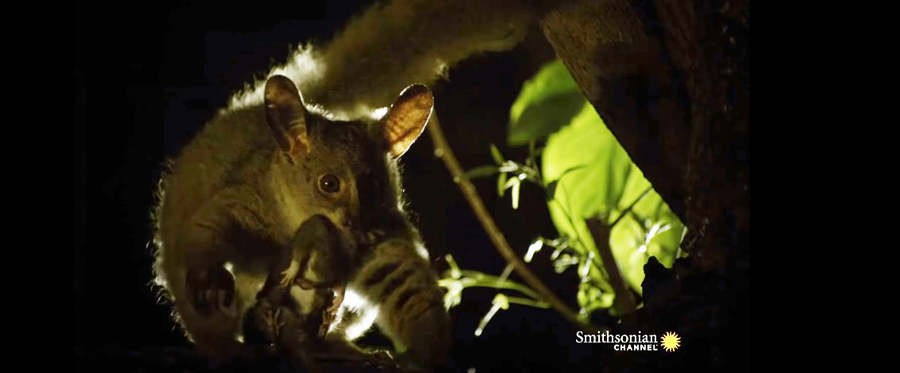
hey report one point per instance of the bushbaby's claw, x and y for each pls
(287, 277)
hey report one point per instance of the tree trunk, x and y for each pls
(670, 79)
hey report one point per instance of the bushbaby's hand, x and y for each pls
(288, 276)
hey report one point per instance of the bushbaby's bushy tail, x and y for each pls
(392, 45)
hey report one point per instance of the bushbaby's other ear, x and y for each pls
(407, 118)
(286, 115)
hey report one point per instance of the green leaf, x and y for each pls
(594, 164)
(533, 248)
(501, 184)
(592, 297)
(482, 171)
(587, 174)
(551, 186)
(515, 194)
(500, 302)
(495, 153)
(546, 102)
(600, 180)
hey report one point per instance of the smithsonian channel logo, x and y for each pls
(632, 342)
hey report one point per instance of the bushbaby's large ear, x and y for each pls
(407, 118)
(286, 115)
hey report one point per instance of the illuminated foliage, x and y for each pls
(589, 175)
(586, 175)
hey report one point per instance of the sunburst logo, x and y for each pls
(670, 341)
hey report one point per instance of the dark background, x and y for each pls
(146, 79)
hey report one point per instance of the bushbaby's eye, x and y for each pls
(329, 183)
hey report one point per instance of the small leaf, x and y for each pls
(564, 262)
(500, 301)
(510, 166)
(454, 268)
(592, 297)
(533, 249)
(510, 182)
(497, 156)
(586, 267)
(482, 171)
(514, 184)
(515, 195)
(501, 184)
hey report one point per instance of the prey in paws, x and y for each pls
(321, 256)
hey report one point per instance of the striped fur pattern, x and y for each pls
(399, 281)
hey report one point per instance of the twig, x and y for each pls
(624, 302)
(600, 232)
(442, 150)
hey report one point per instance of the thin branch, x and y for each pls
(442, 150)
(624, 302)
(477, 279)
(527, 302)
